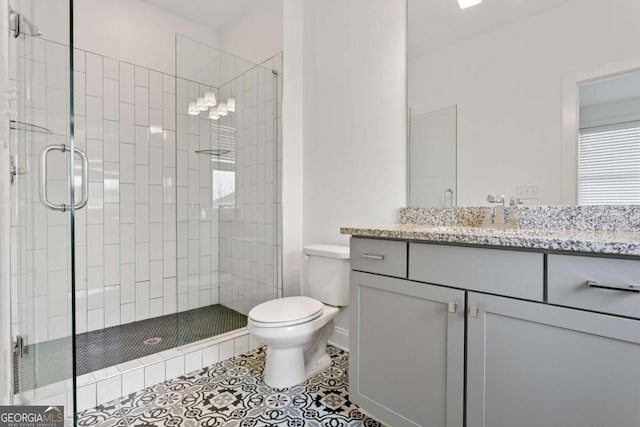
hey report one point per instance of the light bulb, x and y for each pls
(210, 99)
(200, 105)
(222, 109)
(193, 109)
(468, 3)
(213, 114)
(231, 105)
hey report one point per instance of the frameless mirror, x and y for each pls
(518, 73)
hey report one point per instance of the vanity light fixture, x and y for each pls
(213, 113)
(222, 109)
(193, 109)
(231, 105)
(210, 99)
(468, 3)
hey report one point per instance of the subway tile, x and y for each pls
(111, 265)
(155, 307)
(142, 76)
(112, 306)
(111, 182)
(210, 355)
(86, 397)
(56, 66)
(142, 145)
(127, 313)
(169, 258)
(142, 183)
(226, 350)
(111, 100)
(127, 203)
(142, 106)
(127, 283)
(127, 243)
(111, 140)
(175, 367)
(169, 295)
(169, 148)
(169, 111)
(155, 90)
(79, 60)
(169, 184)
(94, 74)
(154, 374)
(109, 389)
(168, 83)
(155, 279)
(142, 222)
(110, 68)
(155, 203)
(132, 381)
(241, 344)
(155, 127)
(79, 95)
(94, 117)
(95, 319)
(142, 262)
(95, 287)
(127, 164)
(57, 121)
(193, 361)
(156, 248)
(126, 83)
(127, 121)
(95, 242)
(155, 166)
(111, 223)
(142, 300)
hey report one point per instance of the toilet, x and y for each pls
(296, 329)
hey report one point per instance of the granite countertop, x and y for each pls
(570, 240)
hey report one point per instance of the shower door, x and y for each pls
(42, 206)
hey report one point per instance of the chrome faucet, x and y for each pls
(496, 217)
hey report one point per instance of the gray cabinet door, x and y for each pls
(532, 365)
(407, 351)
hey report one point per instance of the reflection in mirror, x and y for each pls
(505, 64)
(609, 140)
(432, 158)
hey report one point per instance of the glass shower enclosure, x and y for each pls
(41, 144)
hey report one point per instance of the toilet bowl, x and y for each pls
(296, 329)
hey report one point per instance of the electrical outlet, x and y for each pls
(527, 192)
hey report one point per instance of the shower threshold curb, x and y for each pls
(110, 383)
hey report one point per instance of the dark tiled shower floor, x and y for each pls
(50, 361)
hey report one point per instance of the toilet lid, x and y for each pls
(286, 310)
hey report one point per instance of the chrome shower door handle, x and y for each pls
(85, 179)
(43, 178)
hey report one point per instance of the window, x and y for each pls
(609, 165)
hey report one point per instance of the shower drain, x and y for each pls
(152, 341)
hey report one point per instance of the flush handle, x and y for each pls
(373, 256)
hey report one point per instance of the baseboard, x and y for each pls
(340, 339)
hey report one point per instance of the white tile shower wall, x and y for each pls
(248, 246)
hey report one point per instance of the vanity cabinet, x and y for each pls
(407, 364)
(501, 339)
(532, 365)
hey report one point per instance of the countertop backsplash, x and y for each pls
(586, 217)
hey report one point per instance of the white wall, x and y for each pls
(257, 35)
(353, 121)
(508, 88)
(134, 32)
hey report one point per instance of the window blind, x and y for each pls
(609, 165)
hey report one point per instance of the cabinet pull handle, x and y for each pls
(452, 307)
(371, 256)
(623, 288)
(474, 311)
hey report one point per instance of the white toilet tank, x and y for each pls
(326, 273)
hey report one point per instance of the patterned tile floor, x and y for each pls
(233, 393)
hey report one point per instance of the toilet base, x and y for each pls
(286, 367)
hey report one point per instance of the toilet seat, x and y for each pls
(286, 312)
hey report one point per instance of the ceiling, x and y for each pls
(214, 14)
(434, 24)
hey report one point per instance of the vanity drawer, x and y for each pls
(593, 283)
(503, 272)
(388, 257)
